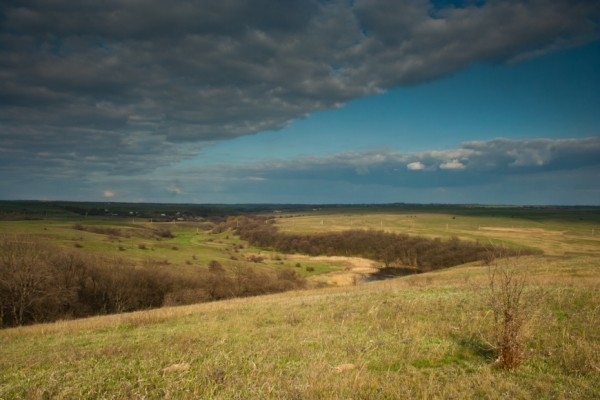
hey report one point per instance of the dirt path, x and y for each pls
(356, 269)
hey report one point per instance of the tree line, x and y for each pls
(390, 249)
(41, 283)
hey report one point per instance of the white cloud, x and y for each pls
(176, 190)
(452, 164)
(569, 176)
(479, 160)
(415, 166)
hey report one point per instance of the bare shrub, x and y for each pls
(255, 258)
(101, 230)
(26, 280)
(510, 313)
(181, 296)
(40, 282)
(215, 266)
(391, 249)
(164, 233)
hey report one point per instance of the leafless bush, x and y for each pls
(391, 249)
(164, 233)
(27, 286)
(101, 230)
(255, 258)
(185, 296)
(40, 282)
(510, 312)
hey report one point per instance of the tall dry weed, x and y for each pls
(510, 312)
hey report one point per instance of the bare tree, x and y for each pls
(27, 285)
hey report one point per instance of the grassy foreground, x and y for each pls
(422, 336)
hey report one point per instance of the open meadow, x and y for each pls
(428, 335)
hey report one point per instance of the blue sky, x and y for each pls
(301, 102)
(555, 96)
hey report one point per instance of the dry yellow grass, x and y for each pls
(552, 237)
(421, 336)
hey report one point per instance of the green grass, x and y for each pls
(190, 248)
(421, 336)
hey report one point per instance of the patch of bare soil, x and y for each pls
(356, 269)
(519, 230)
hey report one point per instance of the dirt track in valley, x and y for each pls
(356, 269)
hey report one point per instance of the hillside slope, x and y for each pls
(422, 336)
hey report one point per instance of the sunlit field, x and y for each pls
(428, 335)
(555, 231)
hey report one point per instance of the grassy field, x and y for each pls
(556, 232)
(421, 336)
(191, 247)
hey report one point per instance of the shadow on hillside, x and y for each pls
(389, 273)
(475, 347)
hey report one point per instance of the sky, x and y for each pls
(301, 101)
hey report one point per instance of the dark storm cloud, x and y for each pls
(132, 85)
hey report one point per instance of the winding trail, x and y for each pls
(356, 269)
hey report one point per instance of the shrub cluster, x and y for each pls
(40, 283)
(161, 232)
(102, 230)
(391, 249)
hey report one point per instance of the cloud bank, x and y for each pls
(127, 87)
(498, 171)
(496, 157)
(539, 171)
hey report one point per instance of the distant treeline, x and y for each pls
(30, 209)
(390, 249)
(41, 283)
